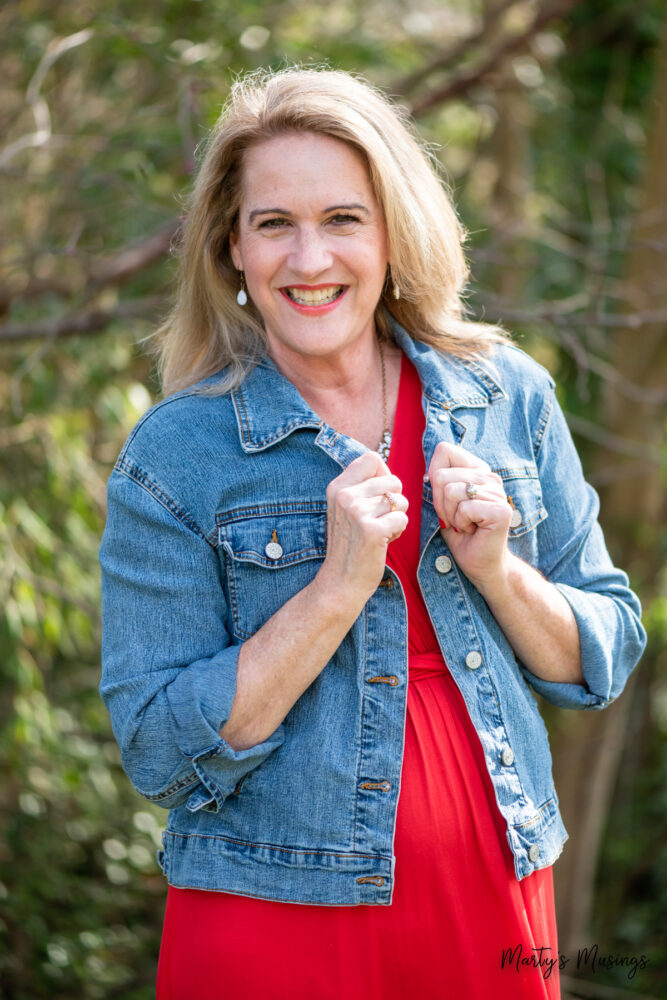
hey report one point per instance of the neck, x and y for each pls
(320, 377)
(346, 391)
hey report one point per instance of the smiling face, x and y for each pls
(313, 244)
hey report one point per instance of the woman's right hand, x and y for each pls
(360, 526)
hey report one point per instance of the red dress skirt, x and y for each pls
(457, 907)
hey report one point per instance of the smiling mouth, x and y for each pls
(315, 296)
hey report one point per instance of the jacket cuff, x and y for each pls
(221, 769)
(208, 687)
(606, 663)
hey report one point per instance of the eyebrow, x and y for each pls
(283, 211)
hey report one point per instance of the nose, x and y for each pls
(310, 253)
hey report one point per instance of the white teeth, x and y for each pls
(316, 297)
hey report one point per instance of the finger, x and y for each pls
(447, 455)
(450, 487)
(363, 467)
(377, 485)
(469, 489)
(480, 513)
(398, 526)
(454, 498)
(488, 482)
(355, 499)
(389, 527)
(367, 465)
(388, 502)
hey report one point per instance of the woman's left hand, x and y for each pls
(475, 528)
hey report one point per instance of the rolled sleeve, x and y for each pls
(573, 556)
(168, 659)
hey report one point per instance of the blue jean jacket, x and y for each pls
(202, 486)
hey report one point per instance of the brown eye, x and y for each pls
(273, 223)
(343, 220)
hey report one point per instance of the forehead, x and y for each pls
(304, 165)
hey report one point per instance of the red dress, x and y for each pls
(457, 905)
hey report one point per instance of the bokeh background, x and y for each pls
(550, 119)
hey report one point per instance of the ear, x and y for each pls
(234, 251)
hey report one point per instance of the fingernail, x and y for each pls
(455, 529)
(442, 523)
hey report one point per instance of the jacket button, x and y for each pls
(443, 564)
(274, 550)
(473, 660)
(507, 756)
(534, 852)
(516, 518)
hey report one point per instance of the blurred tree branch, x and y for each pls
(462, 82)
(36, 101)
(115, 270)
(130, 261)
(452, 55)
(88, 321)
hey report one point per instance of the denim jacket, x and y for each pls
(202, 487)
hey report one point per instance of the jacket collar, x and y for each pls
(449, 381)
(269, 408)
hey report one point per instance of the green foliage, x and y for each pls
(80, 895)
(630, 910)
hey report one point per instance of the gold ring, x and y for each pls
(390, 500)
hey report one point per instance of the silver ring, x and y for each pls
(390, 500)
(471, 491)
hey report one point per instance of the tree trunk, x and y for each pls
(633, 510)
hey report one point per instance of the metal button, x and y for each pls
(473, 660)
(507, 756)
(274, 550)
(534, 852)
(443, 564)
(516, 518)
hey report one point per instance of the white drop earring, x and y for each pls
(391, 280)
(242, 295)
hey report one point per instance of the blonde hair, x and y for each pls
(207, 330)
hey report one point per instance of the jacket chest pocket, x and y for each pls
(268, 558)
(524, 493)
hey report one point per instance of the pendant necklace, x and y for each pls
(385, 442)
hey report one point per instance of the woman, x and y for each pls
(336, 561)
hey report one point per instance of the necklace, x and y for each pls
(385, 441)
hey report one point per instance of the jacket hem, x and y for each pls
(290, 876)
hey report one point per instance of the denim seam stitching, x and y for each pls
(233, 597)
(474, 402)
(361, 735)
(177, 786)
(275, 847)
(479, 641)
(275, 437)
(542, 425)
(149, 414)
(490, 384)
(518, 472)
(529, 822)
(142, 480)
(243, 422)
(243, 555)
(288, 507)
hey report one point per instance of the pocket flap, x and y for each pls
(524, 491)
(275, 539)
